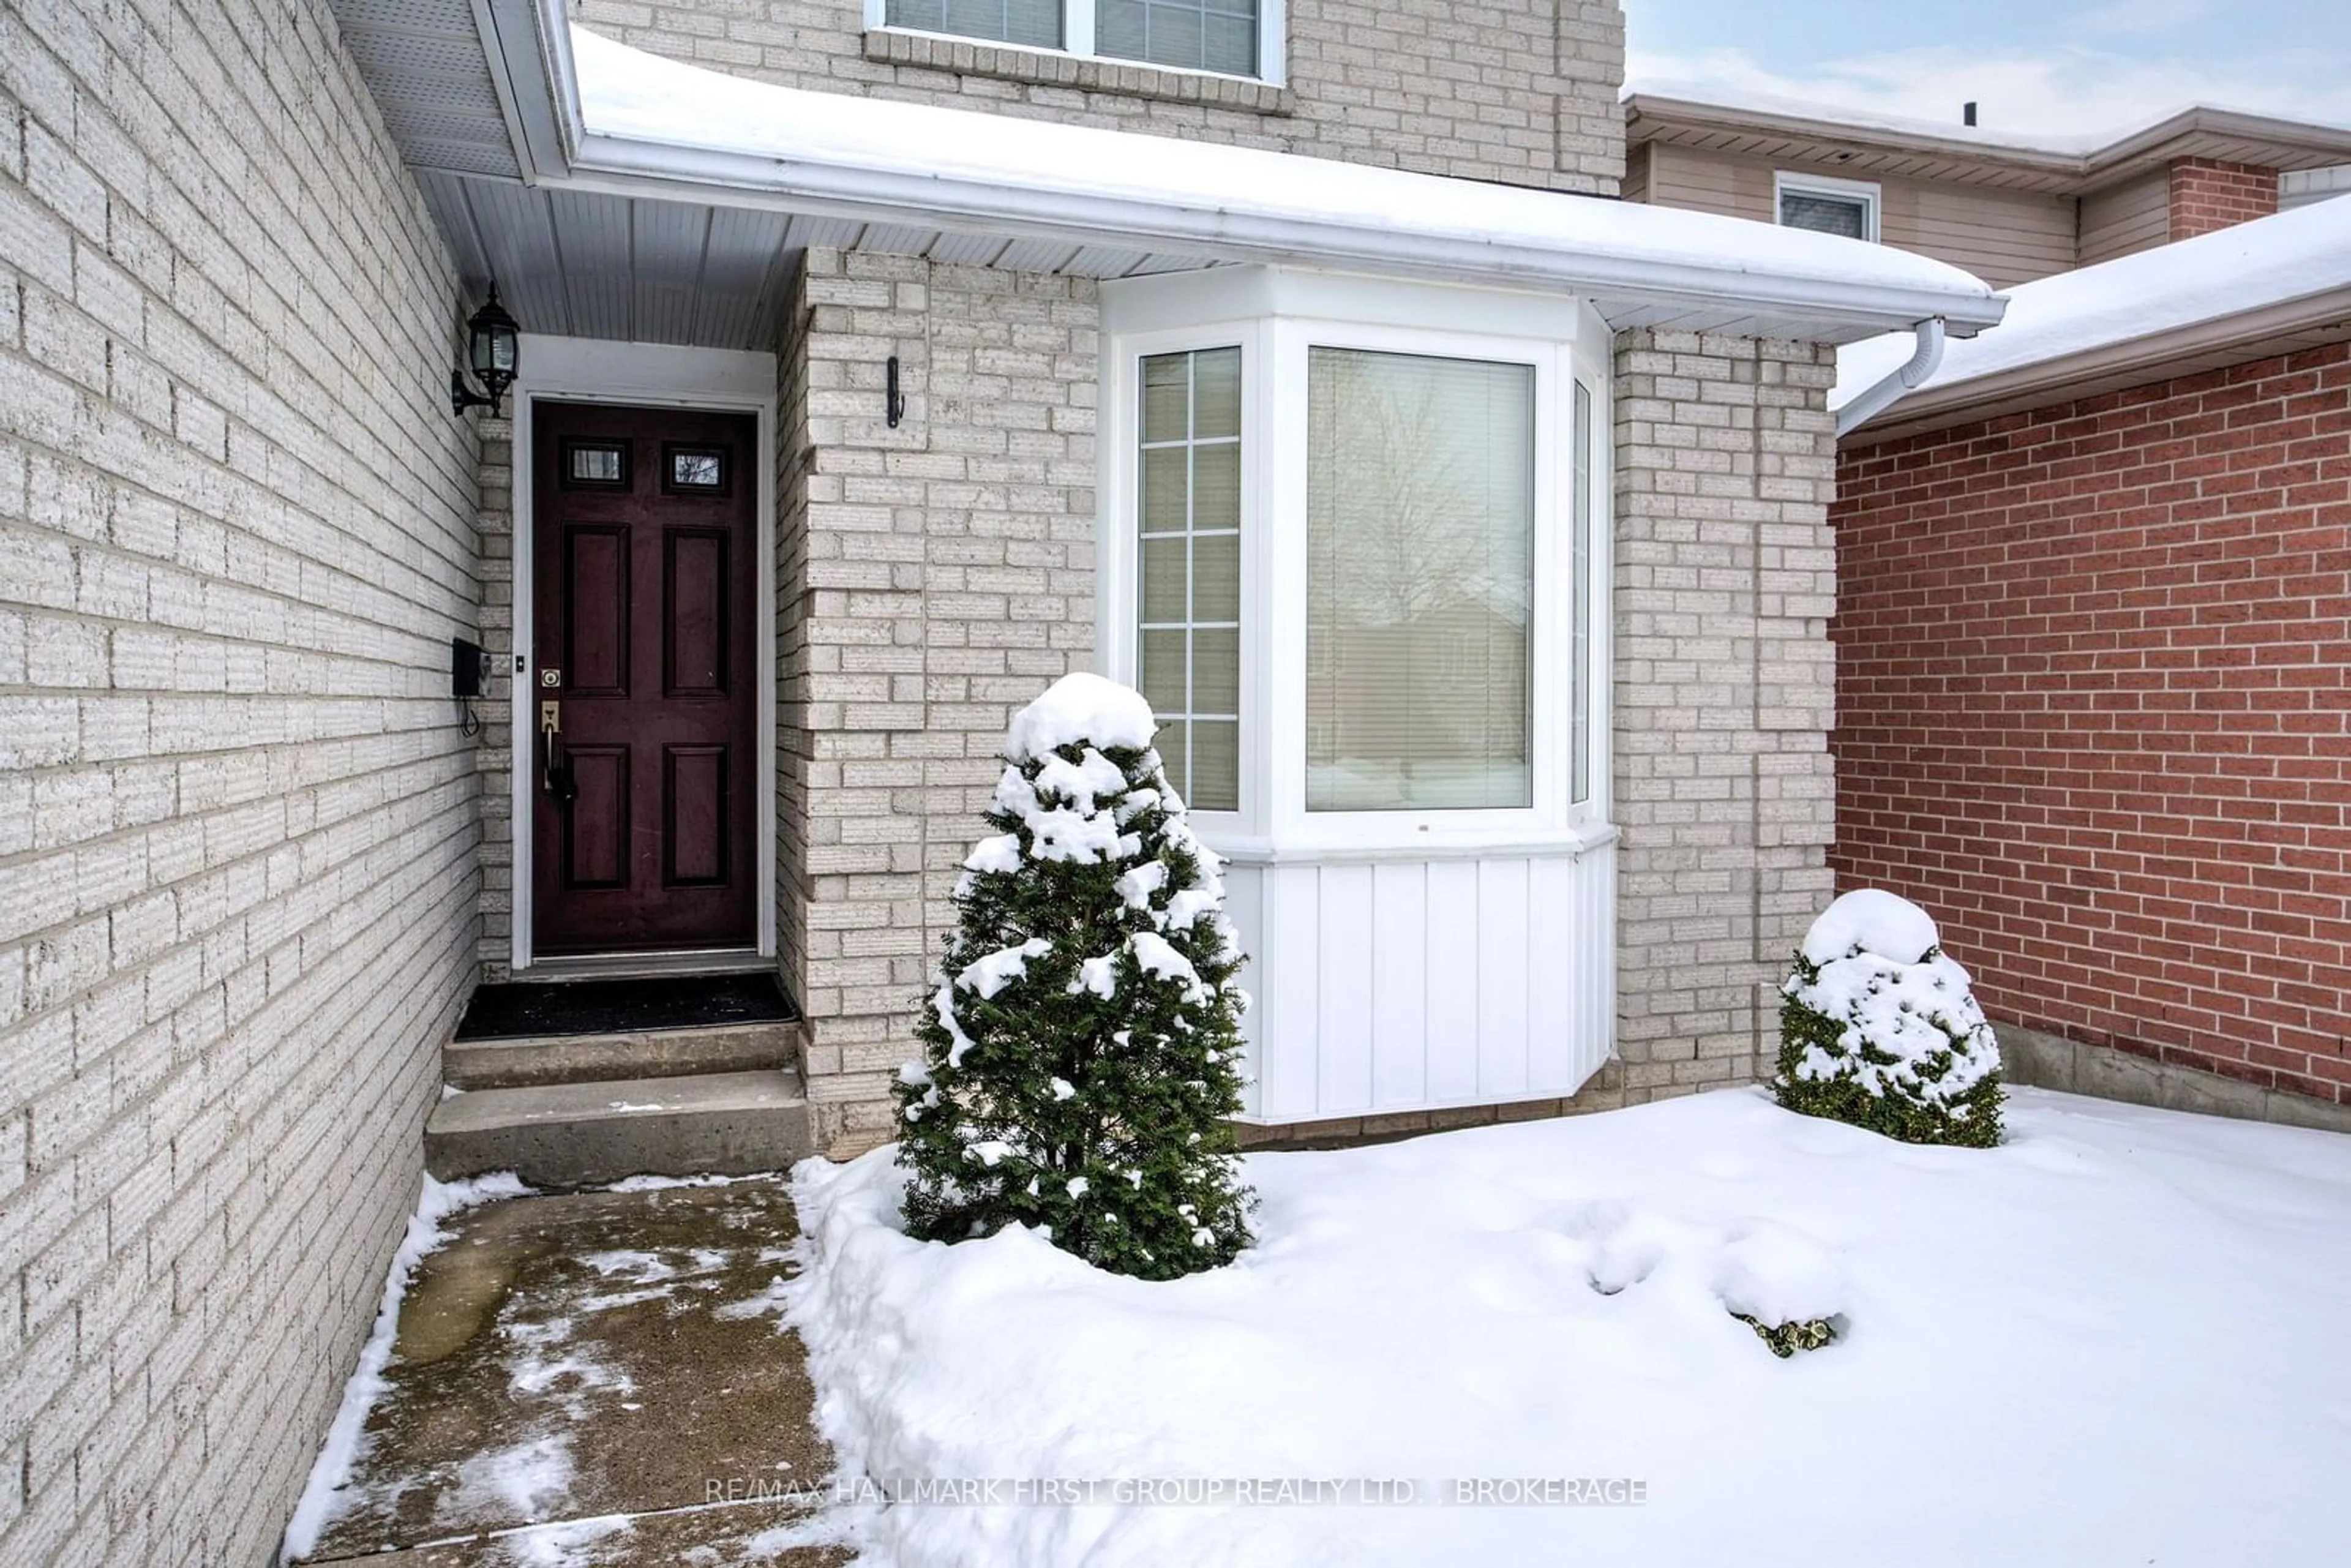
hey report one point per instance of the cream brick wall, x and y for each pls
(931, 579)
(236, 818)
(1519, 91)
(493, 523)
(1725, 579)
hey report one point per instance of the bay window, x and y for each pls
(1227, 37)
(1353, 556)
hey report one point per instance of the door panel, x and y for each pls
(645, 536)
(695, 824)
(596, 821)
(696, 581)
(595, 650)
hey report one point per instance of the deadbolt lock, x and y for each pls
(550, 677)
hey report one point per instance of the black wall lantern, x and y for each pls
(492, 347)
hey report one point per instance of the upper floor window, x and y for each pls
(1229, 37)
(1847, 207)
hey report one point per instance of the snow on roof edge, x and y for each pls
(1993, 139)
(628, 95)
(2253, 266)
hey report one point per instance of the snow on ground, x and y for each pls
(2115, 1339)
(2253, 265)
(332, 1472)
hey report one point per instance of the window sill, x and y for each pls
(1005, 62)
(1558, 843)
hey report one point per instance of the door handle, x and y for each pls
(557, 770)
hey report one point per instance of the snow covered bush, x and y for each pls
(1877, 1028)
(1081, 1046)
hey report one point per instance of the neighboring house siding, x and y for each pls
(2126, 218)
(1519, 91)
(931, 579)
(2207, 194)
(237, 829)
(1636, 175)
(2093, 714)
(2005, 237)
(1725, 578)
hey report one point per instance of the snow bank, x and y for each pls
(437, 1202)
(2234, 271)
(2085, 1347)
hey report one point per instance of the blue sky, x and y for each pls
(2052, 68)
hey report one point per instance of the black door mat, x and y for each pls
(623, 1007)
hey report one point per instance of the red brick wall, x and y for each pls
(2092, 712)
(2207, 194)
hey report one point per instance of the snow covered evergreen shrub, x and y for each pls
(1081, 1046)
(1877, 1028)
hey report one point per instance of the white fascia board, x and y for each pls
(655, 127)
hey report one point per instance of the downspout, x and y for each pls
(1910, 376)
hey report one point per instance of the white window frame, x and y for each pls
(1077, 40)
(1864, 191)
(1565, 343)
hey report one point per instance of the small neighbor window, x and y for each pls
(1846, 207)
(1229, 37)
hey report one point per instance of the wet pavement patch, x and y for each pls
(595, 1379)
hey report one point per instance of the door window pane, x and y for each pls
(1420, 574)
(1187, 507)
(1196, 34)
(1036, 23)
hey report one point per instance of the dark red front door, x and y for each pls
(644, 540)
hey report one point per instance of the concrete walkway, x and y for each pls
(595, 1379)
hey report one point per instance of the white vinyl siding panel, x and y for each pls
(1414, 985)
(2131, 217)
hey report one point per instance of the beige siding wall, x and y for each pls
(237, 816)
(1521, 91)
(2003, 236)
(932, 578)
(2133, 216)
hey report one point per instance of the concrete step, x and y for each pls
(581, 1134)
(649, 1053)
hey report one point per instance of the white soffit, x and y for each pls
(425, 67)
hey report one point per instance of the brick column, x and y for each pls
(1725, 579)
(931, 578)
(2207, 194)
